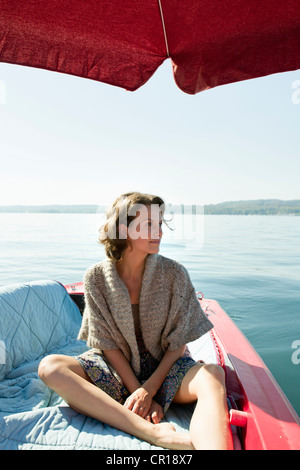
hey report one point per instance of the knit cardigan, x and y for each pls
(170, 313)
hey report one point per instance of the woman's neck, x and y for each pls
(132, 265)
(131, 271)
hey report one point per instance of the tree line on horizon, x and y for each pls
(251, 207)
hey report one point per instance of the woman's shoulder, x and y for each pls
(173, 265)
(97, 271)
(175, 275)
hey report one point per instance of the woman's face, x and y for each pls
(145, 232)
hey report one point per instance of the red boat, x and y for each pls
(262, 416)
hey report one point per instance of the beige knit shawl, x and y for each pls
(170, 313)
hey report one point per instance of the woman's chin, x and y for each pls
(154, 247)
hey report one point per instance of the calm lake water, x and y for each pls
(249, 264)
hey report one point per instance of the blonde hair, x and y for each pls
(119, 212)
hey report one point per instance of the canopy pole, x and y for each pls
(164, 27)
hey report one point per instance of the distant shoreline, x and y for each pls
(250, 207)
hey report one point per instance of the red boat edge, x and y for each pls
(269, 422)
(272, 423)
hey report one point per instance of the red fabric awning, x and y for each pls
(210, 42)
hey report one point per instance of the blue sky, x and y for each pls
(67, 140)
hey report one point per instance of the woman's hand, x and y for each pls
(139, 402)
(155, 413)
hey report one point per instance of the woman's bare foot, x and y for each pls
(166, 436)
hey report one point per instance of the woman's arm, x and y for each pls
(119, 362)
(154, 382)
(139, 400)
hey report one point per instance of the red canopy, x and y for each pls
(210, 42)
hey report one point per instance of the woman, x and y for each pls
(141, 310)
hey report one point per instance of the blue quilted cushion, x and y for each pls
(35, 319)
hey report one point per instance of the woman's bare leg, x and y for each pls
(209, 428)
(65, 376)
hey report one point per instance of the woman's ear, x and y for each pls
(123, 232)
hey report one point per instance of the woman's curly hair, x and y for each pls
(119, 212)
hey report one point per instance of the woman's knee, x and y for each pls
(50, 366)
(212, 376)
(215, 371)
